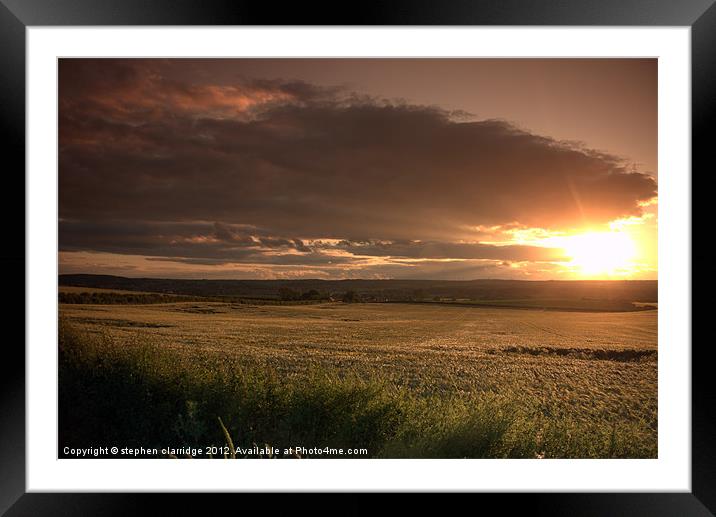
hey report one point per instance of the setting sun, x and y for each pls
(600, 253)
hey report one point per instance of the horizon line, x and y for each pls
(362, 279)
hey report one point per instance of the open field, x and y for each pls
(560, 384)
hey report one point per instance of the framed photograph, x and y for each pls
(422, 250)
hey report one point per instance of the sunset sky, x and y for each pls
(451, 169)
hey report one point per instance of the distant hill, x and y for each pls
(503, 292)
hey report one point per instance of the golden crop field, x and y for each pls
(593, 370)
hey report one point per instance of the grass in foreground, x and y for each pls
(133, 394)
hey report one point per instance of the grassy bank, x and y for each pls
(135, 394)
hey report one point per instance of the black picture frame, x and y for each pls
(17, 15)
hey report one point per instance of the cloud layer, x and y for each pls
(282, 172)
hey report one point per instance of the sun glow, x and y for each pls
(605, 253)
(622, 249)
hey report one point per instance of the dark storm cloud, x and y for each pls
(463, 270)
(451, 250)
(283, 163)
(199, 240)
(136, 91)
(221, 243)
(311, 259)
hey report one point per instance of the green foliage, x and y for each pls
(131, 393)
(313, 294)
(286, 294)
(114, 298)
(351, 297)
